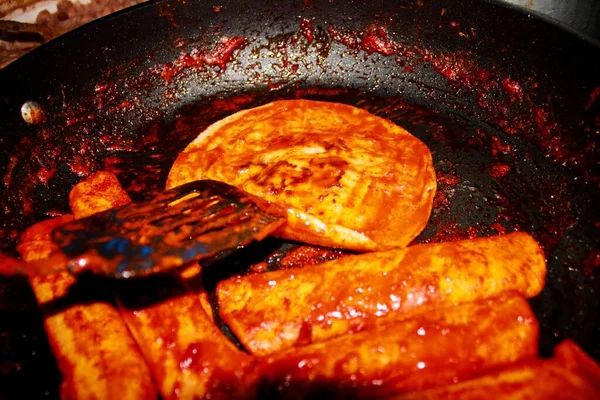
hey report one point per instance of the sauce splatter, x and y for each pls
(374, 39)
(220, 55)
(513, 89)
(307, 29)
(592, 99)
(499, 170)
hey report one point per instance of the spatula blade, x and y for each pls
(191, 222)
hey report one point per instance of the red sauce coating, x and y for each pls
(79, 167)
(12, 163)
(443, 346)
(374, 39)
(512, 127)
(220, 55)
(592, 99)
(306, 29)
(591, 263)
(297, 257)
(462, 71)
(448, 179)
(44, 174)
(499, 170)
(513, 89)
(498, 147)
(350, 294)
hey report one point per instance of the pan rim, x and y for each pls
(527, 13)
(548, 20)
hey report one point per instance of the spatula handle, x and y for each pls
(55, 262)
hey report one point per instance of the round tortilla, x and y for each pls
(348, 178)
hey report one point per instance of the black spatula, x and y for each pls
(192, 222)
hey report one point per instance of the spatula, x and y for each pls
(196, 221)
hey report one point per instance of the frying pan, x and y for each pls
(505, 101)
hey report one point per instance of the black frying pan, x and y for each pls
(505, 101)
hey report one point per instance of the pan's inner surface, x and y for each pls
(488, 183)
(511, 136)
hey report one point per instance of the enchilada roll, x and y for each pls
(96, 355)
(350, 294)
(437, 348)
(569, 374)
(166, 317)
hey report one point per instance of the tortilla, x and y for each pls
(347, 178)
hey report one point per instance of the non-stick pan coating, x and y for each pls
(507, 104)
